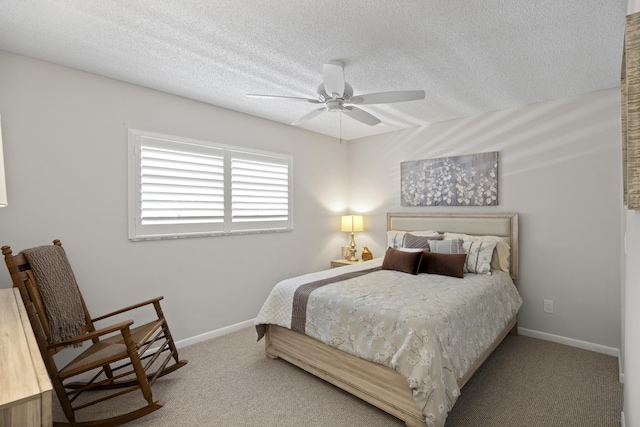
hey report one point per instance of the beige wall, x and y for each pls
(559, 168)
(65, 147)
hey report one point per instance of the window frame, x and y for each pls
(139, 231)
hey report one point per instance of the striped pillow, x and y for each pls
(395, 238)
(501, 256)
(413, 241)
(453, 246)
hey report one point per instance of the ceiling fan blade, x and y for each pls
(388, 97)
(333, 79)
(361, 116)
(294, 98)
(309, 116)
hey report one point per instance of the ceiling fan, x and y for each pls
(337, 95)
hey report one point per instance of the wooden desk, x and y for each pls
(25, 388)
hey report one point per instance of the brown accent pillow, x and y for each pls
(443, 264)
(406, 262)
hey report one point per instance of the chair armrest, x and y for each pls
(120, 326)
(131, 307)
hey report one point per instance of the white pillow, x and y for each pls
(395, 238)
(500, 258)
(479, 253)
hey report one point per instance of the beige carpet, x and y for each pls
(526, 382)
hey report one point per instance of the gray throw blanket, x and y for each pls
(58, 290)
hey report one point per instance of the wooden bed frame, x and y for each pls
(377, 384)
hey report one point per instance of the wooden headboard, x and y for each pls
(494, 224)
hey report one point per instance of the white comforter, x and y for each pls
(429, 328)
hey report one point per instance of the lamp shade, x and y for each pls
(351, 223)
(3, 185)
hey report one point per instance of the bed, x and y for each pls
(402, 375)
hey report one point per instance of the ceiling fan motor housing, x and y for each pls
(323, 96)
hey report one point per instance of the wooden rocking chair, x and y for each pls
(46, 285)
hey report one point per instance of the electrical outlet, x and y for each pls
(548, 306)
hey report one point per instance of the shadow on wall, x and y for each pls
(528, 139)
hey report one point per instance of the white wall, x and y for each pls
(65, 149)
(559, 168)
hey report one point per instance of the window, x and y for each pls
(188, 188)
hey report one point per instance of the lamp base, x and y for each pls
(353, 251)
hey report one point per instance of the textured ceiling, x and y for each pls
(469, 56)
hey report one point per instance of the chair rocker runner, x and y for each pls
(120, 358)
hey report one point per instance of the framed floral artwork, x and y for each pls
(470, 180)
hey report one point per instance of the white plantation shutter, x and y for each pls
(181, 187)
(184, 188)
(259, 191)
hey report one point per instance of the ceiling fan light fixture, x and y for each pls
(334, 105)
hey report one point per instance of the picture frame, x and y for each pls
(468, 180)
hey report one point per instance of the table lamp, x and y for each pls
(351, 224)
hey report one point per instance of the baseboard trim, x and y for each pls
(622, 421)
(215, 333)
(585, 345)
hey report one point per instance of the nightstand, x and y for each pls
(343, 262)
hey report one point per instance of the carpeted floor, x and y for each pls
(526, 382)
